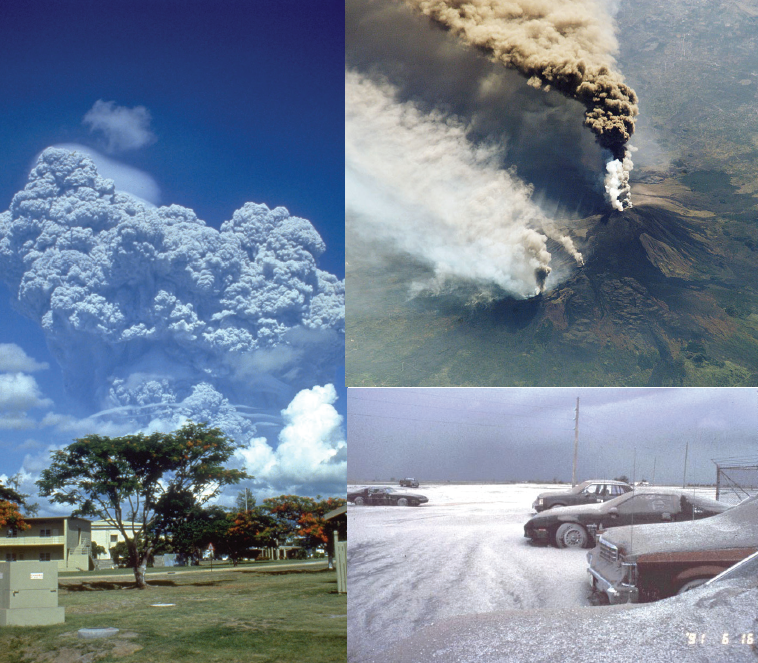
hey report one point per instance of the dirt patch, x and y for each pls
(77, 651)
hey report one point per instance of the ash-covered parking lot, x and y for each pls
(462, 553)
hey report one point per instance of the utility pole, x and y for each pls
(686, 451)
(652, 481)
(576, 442)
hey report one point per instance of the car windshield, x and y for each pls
(747, 568)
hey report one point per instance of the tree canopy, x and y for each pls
(141, 484)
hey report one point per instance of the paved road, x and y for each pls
(462, 553)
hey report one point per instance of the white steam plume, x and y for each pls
(415, 180)
(617, 182)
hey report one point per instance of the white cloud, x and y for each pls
(15, 360)
(18, 393)
(311, 444)
(123, 128)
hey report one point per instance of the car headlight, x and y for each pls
(540, 501)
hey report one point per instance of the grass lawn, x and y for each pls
(282, 612)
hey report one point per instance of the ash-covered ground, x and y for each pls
(461, 556)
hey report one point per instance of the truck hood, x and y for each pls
(735, 528)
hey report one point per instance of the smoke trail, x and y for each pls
(415, 180)
(567, 46)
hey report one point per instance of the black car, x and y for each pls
(587, 492)
(385, 497)
(577, 526)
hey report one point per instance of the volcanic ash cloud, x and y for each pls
(566, 45)
(155, 317)
(414, 180)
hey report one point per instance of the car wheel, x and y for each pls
(571, 535)
(402, 502)
(553, 506)
(691, 584)
(358, 501)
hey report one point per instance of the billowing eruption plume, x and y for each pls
(156, 317)
(565, 45)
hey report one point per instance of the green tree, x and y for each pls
(245, 500)
(96, 549)
(202, 525)
(11, 493)
(141, 484)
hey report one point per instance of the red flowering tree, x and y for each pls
(301, 517)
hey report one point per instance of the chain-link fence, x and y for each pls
(736, 479)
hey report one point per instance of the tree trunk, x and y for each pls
(141, 567)
(139, 575)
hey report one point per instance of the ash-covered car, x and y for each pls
(409, 483)
(385, 496)
(717, 622)
(645, 563)
(587, 492)
(578, 526)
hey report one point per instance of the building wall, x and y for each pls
(106, 535)
(65, 540)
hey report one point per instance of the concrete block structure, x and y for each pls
(63, 540)
(107, 536)
(29, 594)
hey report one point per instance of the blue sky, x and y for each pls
(215, 104)
(522, 434)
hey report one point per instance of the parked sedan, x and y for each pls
(385, 496)
(647, 563)
(587, 492)
(578, 526)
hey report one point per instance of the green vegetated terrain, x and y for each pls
(669, 292)
(274, 612)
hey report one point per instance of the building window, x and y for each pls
(10, 557)
(114, 538)
(44, 557)
(45, 532)
(12, 534)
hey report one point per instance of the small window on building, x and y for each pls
(44, 557)
(45, 532)
(114, 538)
(10, 557)
(12, 533)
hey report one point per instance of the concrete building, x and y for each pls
(65, 540)
(106, 535)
